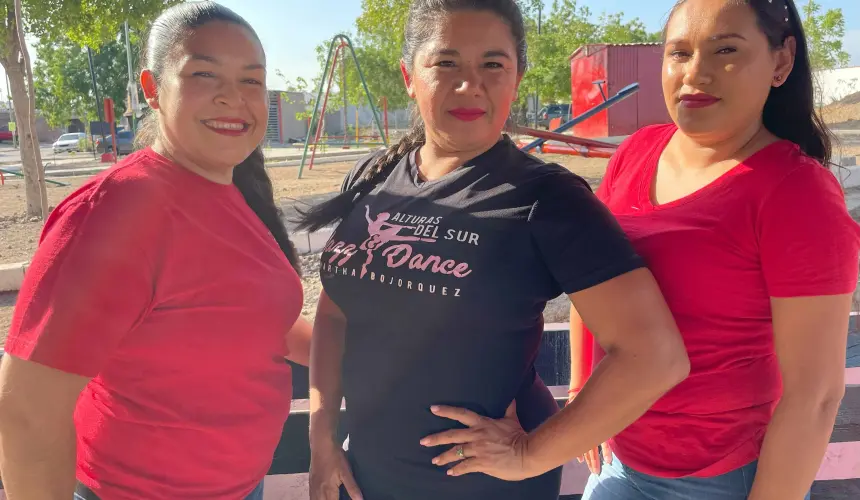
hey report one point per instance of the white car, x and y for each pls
(69, 142)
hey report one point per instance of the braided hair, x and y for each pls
(789, 112)
(425, 16)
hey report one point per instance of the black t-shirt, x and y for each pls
(443, 284)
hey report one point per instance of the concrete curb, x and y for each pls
(12, 275)
(277, 161)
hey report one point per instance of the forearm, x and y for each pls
(35, 467)
(327, 345)
(621, 389)
(793, 448)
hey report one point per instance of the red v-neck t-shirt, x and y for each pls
(170, 293)
(776, 225)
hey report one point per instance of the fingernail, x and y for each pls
(434, 409)
(450, 472)
(424, 442)
(435, 461)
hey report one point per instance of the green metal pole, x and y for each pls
(366, 90)
(316, 107)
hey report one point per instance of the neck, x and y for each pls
(703, 152)
(164, 148)
(435, 161)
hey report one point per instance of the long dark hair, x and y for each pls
(789, 112)
(171, 28)
(423, 21)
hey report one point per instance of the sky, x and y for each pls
(291, 29)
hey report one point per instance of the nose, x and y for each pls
(470, 81)
(698, 71)
(228, 94)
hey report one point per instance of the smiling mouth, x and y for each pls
(227, 127)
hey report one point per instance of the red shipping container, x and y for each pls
(617, 66)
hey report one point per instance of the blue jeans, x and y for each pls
(257, 494)
(619, 482)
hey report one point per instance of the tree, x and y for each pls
(379, 37)
(566, 27)
(824, 33)
(63, 83)
(86, 22)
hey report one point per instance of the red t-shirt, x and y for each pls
(172, 295)
(774, 226)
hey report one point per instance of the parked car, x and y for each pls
(69, 142)
(6, 135)
(124, 143)
(553, 111)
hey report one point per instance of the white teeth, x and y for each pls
(224, 125)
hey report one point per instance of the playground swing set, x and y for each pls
(315, 139)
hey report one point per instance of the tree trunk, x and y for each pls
(23, 99)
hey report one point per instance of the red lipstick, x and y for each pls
(700, 100)
(467, 114)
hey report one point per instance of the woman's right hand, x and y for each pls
(592, 458)
(329, 470)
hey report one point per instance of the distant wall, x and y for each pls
(834, 84)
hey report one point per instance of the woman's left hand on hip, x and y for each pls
(494, 447)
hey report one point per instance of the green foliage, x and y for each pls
(63, 83)
(89, 22)
(824, 33)
(379, 36)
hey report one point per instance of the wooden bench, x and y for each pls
(838, 477)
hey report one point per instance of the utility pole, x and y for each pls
(132, 84)
(536, 97)
(98, 106)
(14, 128)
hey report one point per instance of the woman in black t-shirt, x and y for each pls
(449, 246)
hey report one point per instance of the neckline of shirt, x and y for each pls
(484, 159)
(192, 176)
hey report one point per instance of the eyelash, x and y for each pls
(206, 74)
(725, 50)
(451, 64)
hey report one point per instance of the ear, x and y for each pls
(517, 91)
(784, 61)
(150, 88)
(407, 79)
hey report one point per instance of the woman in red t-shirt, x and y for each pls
(150, 333)
(750, 240)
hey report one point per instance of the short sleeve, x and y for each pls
(808, 241)
(91, 280)
(579, 239)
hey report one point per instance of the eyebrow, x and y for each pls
(489, 53)
(210, 59)
(715, 38)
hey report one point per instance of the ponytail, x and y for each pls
(379, 168)
(253, 182)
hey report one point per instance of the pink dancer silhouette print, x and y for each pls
(381, 232)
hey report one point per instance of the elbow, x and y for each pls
(676, 366)
(814, 403)
(669, 362)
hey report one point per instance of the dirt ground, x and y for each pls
(844, 114)
(19, 235)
